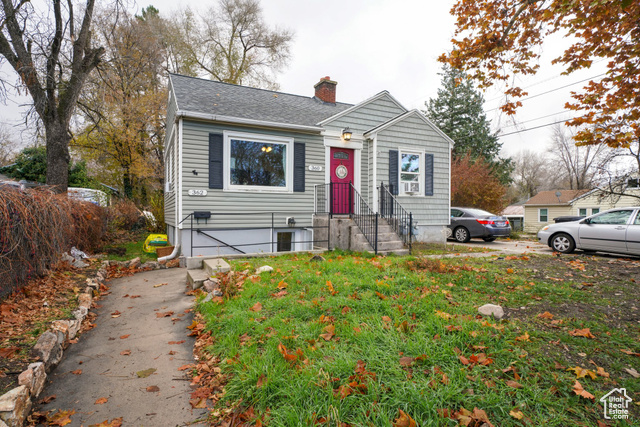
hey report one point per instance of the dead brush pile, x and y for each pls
(36, 227)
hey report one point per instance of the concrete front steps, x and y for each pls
(388, 241)
(210, 267)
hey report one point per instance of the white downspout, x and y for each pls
(375, 173)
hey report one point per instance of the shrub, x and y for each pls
(36, 227)
(123, 215)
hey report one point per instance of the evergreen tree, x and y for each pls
(458, 112)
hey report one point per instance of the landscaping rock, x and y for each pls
(15, 406)
(211, 284)
(33, 378)
(208, 298)
(61, 326)
(318, 258)
(264, 269)
(491, 309)
(93, 284)
(80, 313)
(48, 350)
(68, 258)
(134, 263)
(217, 293)
(173, 263)
(151, 265)
(74, 327)
(84, 300)
(79, 264)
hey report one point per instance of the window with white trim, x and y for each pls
(258, 162)
(411, 168)
(543, 215)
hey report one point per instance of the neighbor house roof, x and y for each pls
(212, 98)
(513, 210)
(550, 198)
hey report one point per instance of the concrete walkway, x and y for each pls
(498, 247)
(130, 337)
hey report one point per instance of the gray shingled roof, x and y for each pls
(210, 97)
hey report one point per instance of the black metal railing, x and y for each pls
(204, 225)
(365, 218)
(396, 216)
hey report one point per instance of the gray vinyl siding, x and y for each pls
(413, 133)
(251, 205)
(368, 116)
(365, 172)
(170, 146)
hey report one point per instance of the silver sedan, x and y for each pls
(615, 230)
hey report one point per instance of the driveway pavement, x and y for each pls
(141, 330)
(499, 247)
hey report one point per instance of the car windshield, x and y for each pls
(479, 212)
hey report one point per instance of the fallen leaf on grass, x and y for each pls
(582, 333)
(630, 353)
(176, 342)
(124, 337)
(476, 418)
(145, 373)
(509, 270)
(406, 361)
(330, 332)
(545, 315)
(101, 401)
(515, 413)
(77, 372)
(382, 297)
(185, 367)
(160, 284)
(256, 307)
(514, 384)
(632, 372)
(153, 389)
(60, 418)
(600, 371)
(261, 381)
(8, 352)
(581, 372)
(404, 420)
(523, 337)
(577, 389)
(125, 353)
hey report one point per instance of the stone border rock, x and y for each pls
(15, 405)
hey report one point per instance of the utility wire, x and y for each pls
(533, 120)
(533, 128)
(552, 90)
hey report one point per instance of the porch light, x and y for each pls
(346, 134)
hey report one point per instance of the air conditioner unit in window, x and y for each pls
(411, 187)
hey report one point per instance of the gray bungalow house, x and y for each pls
(251, 170)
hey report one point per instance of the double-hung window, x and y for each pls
(543, 215)
(258, 162)
(411, 170)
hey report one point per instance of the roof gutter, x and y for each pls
(248, 122)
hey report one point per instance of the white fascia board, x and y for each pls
(382, 94)
(588, 193)
(242, 121)
(404, 116)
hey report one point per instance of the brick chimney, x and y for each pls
(326, 90)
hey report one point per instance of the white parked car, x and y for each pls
(615, 230)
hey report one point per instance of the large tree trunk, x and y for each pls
(57, 156)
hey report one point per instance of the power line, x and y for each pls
(552, 90)
(533, 120)
(533, 128)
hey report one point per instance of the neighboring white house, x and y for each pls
(247, 168)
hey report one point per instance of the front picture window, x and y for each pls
(257, 163)
(410, 170)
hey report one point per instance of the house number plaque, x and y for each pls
(200, 193)
(313, 168)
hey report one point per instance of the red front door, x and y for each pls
(342, 173)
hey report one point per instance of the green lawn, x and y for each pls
(357, 339)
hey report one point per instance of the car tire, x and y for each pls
(488, 239)
(562, 243)
(461, 234)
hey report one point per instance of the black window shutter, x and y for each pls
(216, 170)
(393, 171)
(298, 167)
(428, 174)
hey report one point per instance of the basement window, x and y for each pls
(285, 240)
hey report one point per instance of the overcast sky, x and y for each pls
(372, 45)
